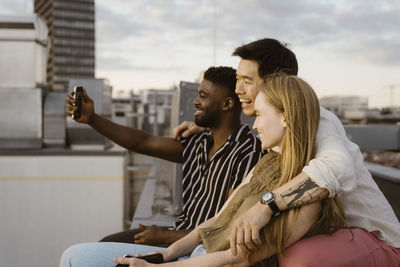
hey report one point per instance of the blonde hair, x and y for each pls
(298, 103)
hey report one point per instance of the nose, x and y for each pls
(239, 87)
(255, 124)
(196, 101)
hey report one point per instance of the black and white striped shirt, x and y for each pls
(206, 184)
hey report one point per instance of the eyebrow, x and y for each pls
(202, 91)
(244, 76)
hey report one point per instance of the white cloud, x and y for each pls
(149, 36)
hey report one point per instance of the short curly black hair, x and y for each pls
(224, 77)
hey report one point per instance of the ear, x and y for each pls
(283, 122)
(228, 104)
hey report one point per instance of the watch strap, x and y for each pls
(274, 207)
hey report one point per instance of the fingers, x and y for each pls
(186, 133)
(141, 227)
(240, 241)
(176, 133)
(255, 236)
(140, 241)
(248, 242)
(180, 129)
(86, 97)
(129, 261)
(70, 100)
(70, 105)
(232, 241)
(245, 238)
(122, 260)
(191, 128)
(140, 237)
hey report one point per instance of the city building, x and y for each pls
(340, 104)
(23, 50)
(71, 27)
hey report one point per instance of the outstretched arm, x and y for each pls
(130, 138)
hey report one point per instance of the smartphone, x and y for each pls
(152, 258)
(78, 95)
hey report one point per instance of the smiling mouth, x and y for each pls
(198, 112)
(245, 101)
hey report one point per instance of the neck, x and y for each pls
(227, 127)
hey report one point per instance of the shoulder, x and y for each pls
(326, 115)
(248, 140)
(195, 139)
(330, 125)
(244, 134)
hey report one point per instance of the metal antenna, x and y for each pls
(391, 88)
(215, 34)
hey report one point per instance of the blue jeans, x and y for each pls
(101, 254)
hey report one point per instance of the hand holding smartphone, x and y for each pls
(152, 258)
(78, 96)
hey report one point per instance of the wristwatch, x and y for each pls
(268, 198)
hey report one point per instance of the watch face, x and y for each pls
(266, 197)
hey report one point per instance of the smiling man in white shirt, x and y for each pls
(336, 171)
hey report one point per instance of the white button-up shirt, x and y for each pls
(339, 167)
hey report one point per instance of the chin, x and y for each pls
(249, 112)
(200, 123)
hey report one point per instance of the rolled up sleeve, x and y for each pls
(333, 166)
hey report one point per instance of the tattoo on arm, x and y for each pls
(304, 193)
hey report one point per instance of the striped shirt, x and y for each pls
(206, 184)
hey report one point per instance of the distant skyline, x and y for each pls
(343, 47)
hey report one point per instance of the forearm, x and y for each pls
(187, 243)
(305, 219)
(183, 246)
(173, 236)
(137, 140)
(220, 258)
(122, 135)
(298, 192)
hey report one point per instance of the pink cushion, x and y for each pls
(340, 249)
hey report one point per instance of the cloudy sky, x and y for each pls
(343, 47)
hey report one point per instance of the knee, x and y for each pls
(66, 257)
(71, 255)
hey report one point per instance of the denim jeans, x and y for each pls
(101, 254)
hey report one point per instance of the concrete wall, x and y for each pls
(50, 202)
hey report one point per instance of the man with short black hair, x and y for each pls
(214, 163)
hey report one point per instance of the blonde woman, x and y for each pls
(287, 120)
